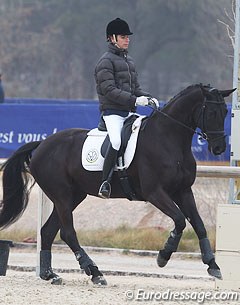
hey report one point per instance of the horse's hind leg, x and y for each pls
(63, 206)
(48, 233)
(186, 203)
(69, 235)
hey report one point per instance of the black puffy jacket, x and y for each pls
(116, 80)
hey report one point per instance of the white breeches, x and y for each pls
(114, 124)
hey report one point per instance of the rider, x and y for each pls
(119, 93)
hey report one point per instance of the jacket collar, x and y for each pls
(114, 49)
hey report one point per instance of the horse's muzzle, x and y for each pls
(217, 145)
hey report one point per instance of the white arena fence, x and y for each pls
(211, 171)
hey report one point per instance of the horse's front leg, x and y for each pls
(186, 202)
(168, 207)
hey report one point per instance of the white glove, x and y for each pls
(146, 100)
(142, 101)
(155, 101)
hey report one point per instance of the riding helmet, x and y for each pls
(118, 27)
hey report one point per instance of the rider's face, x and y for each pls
(121, 40)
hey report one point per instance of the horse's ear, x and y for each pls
(226, 93)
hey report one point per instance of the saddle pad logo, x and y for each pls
(92, 155)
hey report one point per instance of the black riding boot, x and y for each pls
(108, 167)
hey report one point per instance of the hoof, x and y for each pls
(215, 273)
(162, 262)
(48, 275)
(56, 280)
(99, 280)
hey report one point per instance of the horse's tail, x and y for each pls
(15, 184)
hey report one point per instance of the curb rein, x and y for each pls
(204, 133)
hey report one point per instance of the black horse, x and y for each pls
(162, 171)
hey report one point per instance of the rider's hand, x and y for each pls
(146, 100)
(155, 101)
(142, 101)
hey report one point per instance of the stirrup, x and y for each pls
(105, 190)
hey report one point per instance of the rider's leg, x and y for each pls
(108, 168)
(114, 125)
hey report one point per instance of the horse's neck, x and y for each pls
(183, 107)
(177, 118)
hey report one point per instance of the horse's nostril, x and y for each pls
(217, 150)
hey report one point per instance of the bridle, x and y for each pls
(202, 117)
(205, 134)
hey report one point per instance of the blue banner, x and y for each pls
(26, 120)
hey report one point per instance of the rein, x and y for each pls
(203, 134)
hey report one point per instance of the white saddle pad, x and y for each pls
(92, 159)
